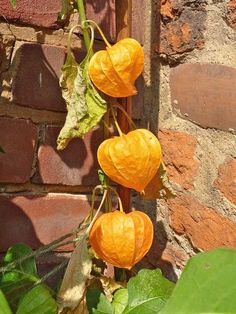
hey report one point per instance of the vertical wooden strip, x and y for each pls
(123, 28)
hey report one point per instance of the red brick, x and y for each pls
(226, 181)
(210, 100)
(18, 138)
(39, 219)
(137, 20)
(36, 82)
(169, 253)
(205, 228)
(76, 165)
(103, 13)
(179, 156)
(231, 13)
(42, 13)
(181, 28)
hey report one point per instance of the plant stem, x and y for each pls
(116, 122)
(82, 17)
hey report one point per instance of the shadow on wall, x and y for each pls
(154, 259)
(15, 224)
(105, 9)
(75, 165)
(36, 70)
(150, 120)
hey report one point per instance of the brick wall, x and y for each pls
(190, 77)
(197, 124)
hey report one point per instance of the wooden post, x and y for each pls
(123, 30)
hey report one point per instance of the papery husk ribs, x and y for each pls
(114, 70)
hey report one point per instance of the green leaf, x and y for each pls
(207, 285)
(13, 3)
(20, 278)
(148, 292)
(4, 306)
(92, 298)
(67, 7)
(120, 300)
(84, 105)
(38, 301)
(76, 276)
(104, 306)
(16, 252)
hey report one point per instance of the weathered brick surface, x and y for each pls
(210, 100)
(182, 27)
(226, 181)
(103, 13)
(169, 253)
(76, 165)
(137, 20)
(18, 138)
(205, 228)
(39, 219)
(231, 13)
(36, 82)
(42, 13)
(179, 150)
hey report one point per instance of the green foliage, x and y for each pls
(67, 6)
(18, 279)
(92, 298)
(146, 293)
(207, 285)
(16, 252)
(4, 306)
(13, 3)
(120, 301)
(104, 306)
(84, 104)
(37, 301)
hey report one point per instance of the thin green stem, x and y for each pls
(83, 21)
(98, 187)
(100, 31)
(131, 122)
(118, 197)
(97, 212)
(52, 272)
(116, 122)
(42, 250)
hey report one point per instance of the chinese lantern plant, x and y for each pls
(122, 239)
(131, 159)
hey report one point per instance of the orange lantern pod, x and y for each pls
(114, 70)
(131, 159)
(122, 239)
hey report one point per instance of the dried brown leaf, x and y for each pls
(76, 277)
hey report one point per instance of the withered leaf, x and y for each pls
(159, 186)
(85, 106)
(110, 286)
(76, 277)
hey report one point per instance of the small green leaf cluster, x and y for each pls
(207, 285)
(20, 292)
